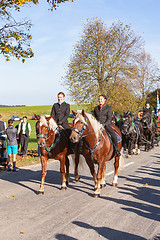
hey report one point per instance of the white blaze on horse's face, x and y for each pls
(79, 122)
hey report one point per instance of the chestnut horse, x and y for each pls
(54, 143)
(97, 146)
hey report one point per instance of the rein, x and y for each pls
(80, 132)
(95, 146)
(46, 137)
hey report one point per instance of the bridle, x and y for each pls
(80, 131)
(146, 123)
(127, 126)
(46, 137)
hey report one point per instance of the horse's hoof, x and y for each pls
(103, 185)
(129, 156)
(114, 184)
(63, 188)
(67, 183)
(41, 192)
(96, 195)
(76, 179)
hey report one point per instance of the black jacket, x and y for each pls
(104, 115)
(61, 113)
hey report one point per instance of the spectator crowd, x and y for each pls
(17, 141)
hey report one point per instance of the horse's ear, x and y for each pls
(83, 114)
(37, 116)
(74, 113)
(48, 118)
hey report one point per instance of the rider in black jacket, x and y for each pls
(60, 112)
(103, 114)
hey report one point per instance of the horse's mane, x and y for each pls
(97, 127)
(52, 124)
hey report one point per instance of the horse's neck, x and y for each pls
(91, 138)
(50, 137)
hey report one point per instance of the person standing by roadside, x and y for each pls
(24, 132)
(3, 138)
(18, 137)
(12, 146)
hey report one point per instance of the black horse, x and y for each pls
(132, 132)
(149, 130)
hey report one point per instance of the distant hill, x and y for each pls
(12, 106)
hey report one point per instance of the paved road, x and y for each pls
(130, 211)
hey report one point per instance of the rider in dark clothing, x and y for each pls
(60, 112)
(103, 114)
(150, 109)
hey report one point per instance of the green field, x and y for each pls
(28, 111)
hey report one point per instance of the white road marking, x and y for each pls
(128, 164)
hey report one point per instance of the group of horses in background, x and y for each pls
(89, 138)
(137, 132)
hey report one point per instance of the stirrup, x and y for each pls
(118, 154)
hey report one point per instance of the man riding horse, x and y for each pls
(60, 113)
(103, 114)
(150, 109)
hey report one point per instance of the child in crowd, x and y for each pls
(12, 146)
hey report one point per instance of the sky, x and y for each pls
(54, 34)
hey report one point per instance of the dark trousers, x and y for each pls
(24, 144)
(113, 135)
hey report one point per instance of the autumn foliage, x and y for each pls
(106, 60)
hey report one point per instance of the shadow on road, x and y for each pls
(53, 179)
(64, 237)
(108, 233)
(142, 189)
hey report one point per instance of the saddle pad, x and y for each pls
(119, 139)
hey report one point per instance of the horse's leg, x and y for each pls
(43, 174)
(62, 170)
(77, 155)
(152, 142)
(129, 149)
(134, 145)
(67, 171)
(91, 167)
(116, 166)
(103, 183)
(99, 178)
(139, 144)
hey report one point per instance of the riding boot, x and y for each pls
(114, 139)
(118, 154)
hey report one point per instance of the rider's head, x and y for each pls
(102, 99)
(61, 97)
(147, 105)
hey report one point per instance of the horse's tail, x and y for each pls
(81, 161)
(121, 162)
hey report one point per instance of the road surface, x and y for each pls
(129, 211)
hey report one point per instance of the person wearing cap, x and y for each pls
(103, 114)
